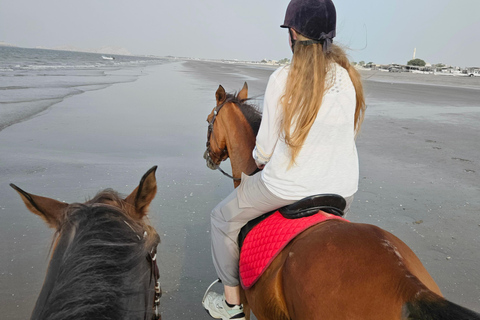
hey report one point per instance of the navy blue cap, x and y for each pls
(314, 19)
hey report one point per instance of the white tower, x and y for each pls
(414, 52)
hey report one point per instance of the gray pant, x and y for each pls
(250, 200)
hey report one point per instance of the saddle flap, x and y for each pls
(330, 203)
(250, 225)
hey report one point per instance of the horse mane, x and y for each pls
(250, 112)
(102, 248)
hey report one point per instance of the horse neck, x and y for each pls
(240, 141)
(50, 279)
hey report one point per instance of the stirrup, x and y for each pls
(208, 289)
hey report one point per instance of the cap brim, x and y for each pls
(284, 26)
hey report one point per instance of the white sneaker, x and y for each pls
(215, 305)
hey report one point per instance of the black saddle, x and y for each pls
(330, 203)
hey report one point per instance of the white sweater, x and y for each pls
(328, 160)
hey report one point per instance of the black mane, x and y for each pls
(251, 112)
(100, 256)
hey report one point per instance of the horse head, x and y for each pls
(103, 259)
(217, 151)
(232, 126)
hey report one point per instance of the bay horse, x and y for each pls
(335, 269)
(103, 260)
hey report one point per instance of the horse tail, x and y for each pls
(427, 305)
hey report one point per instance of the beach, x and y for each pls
(419, 172)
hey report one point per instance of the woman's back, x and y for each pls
(327, 161)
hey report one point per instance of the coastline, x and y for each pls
(419, 165)
(33, 80)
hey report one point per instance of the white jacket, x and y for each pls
(328, 160)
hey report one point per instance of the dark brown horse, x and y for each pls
(103, 261)
(335, 269)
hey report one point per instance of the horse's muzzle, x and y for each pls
(212, 165)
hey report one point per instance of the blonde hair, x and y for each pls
(305, 88)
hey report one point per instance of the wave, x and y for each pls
(31, 81)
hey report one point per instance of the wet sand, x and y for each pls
(419, 161)
(419, 170)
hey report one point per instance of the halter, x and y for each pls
(155, 274)
(210, 134)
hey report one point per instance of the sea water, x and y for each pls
(32, 80)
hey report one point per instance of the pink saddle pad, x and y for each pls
(268, 238)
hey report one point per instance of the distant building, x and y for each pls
(439, 69)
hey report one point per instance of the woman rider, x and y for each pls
(312, 111)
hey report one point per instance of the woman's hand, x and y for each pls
(259, 165)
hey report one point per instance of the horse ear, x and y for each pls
(243, 94)
(220, 95)
(50, 210)
(143, 195)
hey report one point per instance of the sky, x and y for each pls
(379, 31)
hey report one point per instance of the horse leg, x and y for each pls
(411, 261)
(266, 297)
(244, 301)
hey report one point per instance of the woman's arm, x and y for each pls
(268, 132)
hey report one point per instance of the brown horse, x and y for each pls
(335, 269)
(103, 261)
(226, 139)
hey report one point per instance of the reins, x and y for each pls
(228, 175)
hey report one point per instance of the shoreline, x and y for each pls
(33, 82)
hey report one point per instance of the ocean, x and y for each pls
(32, 80)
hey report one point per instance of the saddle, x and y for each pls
(329, 203)
(277, 228)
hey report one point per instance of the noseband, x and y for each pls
(154, 274)
(210, 132)
(211, 135)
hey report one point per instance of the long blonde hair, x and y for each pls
(305, 88)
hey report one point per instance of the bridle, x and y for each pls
(211, 135)
(224, 152)
(154, 274)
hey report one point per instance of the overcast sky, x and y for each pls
(381, 31)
